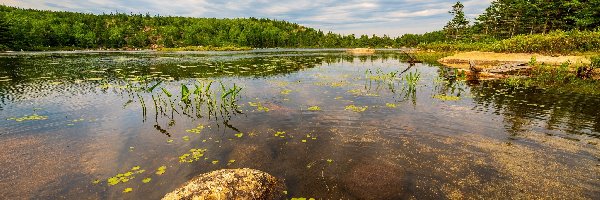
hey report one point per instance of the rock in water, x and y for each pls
(230, 184)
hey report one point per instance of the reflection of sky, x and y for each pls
(380, 139)
(348, 17)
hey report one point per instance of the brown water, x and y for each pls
(372, 134)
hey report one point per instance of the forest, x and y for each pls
(28, 29)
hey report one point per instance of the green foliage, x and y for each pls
(561, 42)
(454, 46)
(412, 40)
(595, 61)
(553, 42)
(508, 18)
(457, 27)
(5, 34)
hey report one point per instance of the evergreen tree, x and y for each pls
(458, 25)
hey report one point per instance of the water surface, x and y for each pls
(330, 124)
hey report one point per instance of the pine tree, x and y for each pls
(457, 27)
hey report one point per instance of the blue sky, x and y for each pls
(391, 17)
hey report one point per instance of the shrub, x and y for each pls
(551, 43)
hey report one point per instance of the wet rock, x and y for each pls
(230, 184)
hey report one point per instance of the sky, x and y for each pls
(390, 17)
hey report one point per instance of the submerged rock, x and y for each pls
(230, 184)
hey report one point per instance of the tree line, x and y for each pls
(505, 19)
(30, 29)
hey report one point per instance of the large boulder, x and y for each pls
(230, 184)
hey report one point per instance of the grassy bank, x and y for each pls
(556, 42)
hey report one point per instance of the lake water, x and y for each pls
(330, 124)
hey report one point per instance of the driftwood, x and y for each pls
(511, 67)
(411, 58)
(474, 68)
(411, 61)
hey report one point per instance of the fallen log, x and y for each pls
(510, 67)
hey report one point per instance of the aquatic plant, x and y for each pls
(314, 108)
(379, 75)
(125, 177)
(259, 106)
(286, 91)
(205, 48)
(280, 134)
(32, 117)
(161, 170)
(193, 155)
(356, 108)
(146, 180)
(196, 130)
(444, 97)
(412, 78)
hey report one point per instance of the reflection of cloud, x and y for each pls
(349, 16)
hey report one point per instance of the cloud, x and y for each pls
(391, 17)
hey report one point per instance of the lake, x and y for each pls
(332, 125)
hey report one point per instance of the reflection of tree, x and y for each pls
(572, 113)
(36, 76)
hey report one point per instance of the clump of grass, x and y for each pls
(379, 75)
(412, 78)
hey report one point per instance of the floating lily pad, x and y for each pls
(33, 117)
(314, 108)
(446, 97)
(161, 170)
(193, 155)
(356, 108)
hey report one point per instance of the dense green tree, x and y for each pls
(507, 18)
(457, 27)
(5, 35)
(38, 30)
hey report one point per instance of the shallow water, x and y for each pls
(71, 121)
